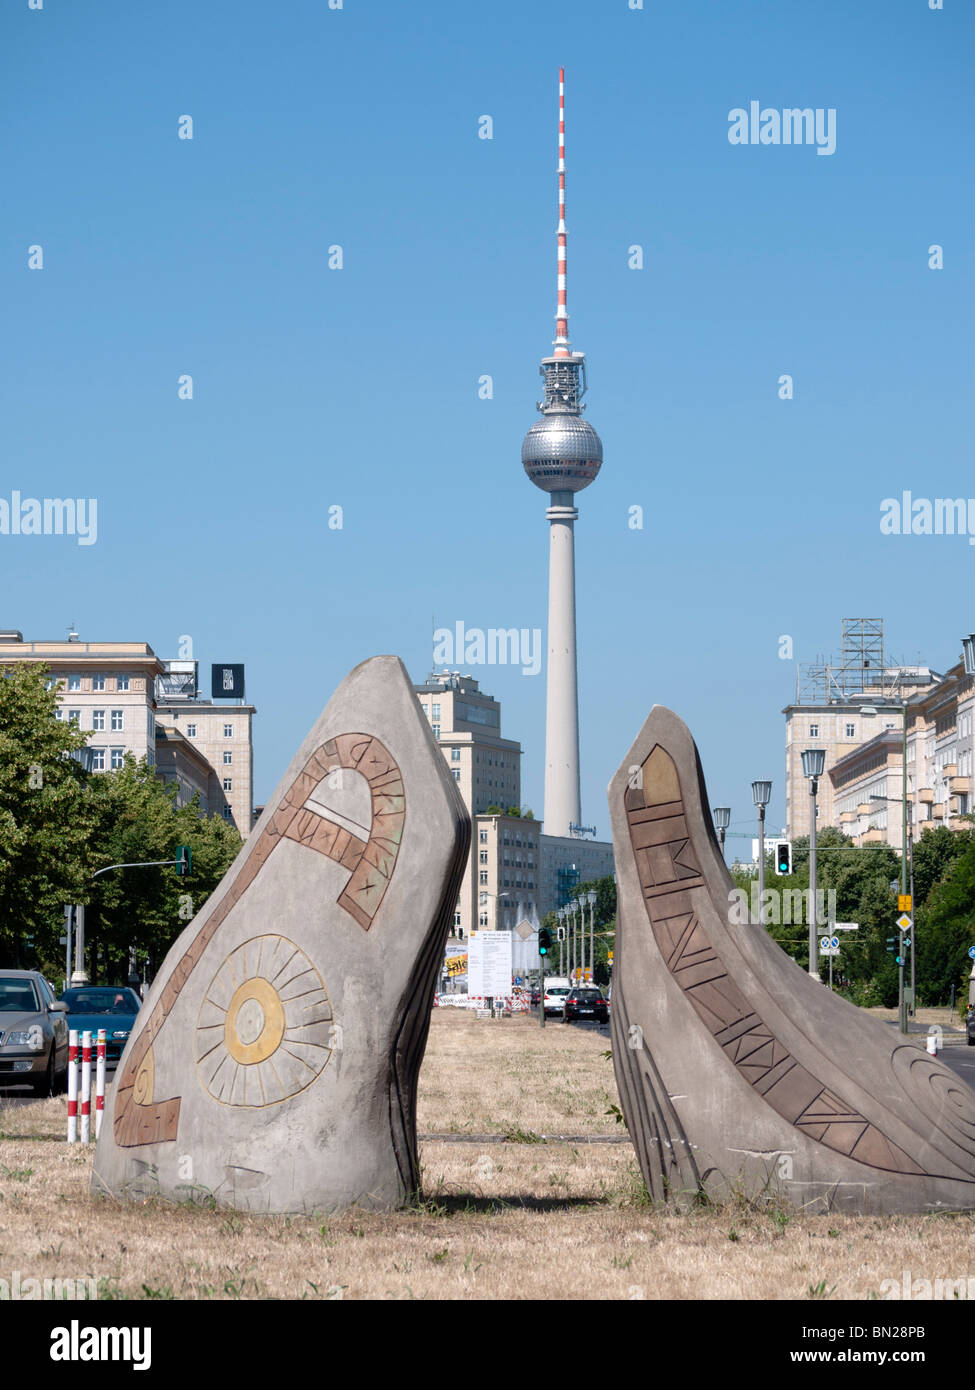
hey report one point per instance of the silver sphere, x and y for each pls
(562, 453)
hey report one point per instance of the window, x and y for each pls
(98, 682)
(191, 731)
(121, 682)
(74, 682)
(482, 899)
(118, 754)
(436, 730)
(117, 721)
(98, 760)
(228, 784)
(455, 755)
(435, 711)
(98, 719)
(482, 876)
(484, 856)
(74, 716)
(227, 813)
(456, 774)
(228, 731)
(851, 730)
(482, 919)
(457, 919)
(483, 836)
(814, 731)
(228, 757)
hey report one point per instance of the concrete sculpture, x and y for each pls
(737, 1071)
(274, 1063)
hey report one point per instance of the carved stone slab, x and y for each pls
(274, 1062)
(737, 1071)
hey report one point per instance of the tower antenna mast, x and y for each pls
(561, 314)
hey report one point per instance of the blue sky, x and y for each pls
(358, 387)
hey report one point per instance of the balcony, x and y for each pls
(958, 784)
(950, 770)
(926, 796)
(873, 836)
(938, 810)
(864, 809)
(847, 816)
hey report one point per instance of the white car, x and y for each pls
(555, 996)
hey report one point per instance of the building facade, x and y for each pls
(109, 689)
(514, 872)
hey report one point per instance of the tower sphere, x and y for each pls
(562, 453)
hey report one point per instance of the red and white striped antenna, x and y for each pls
(562, 316)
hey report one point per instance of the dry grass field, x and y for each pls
(510, 1220)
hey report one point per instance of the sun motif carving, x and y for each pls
(265, 1027)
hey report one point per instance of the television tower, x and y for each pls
(562, 454)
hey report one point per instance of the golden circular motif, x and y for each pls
(265, 1030)
(256, 1002)
(143, 1084)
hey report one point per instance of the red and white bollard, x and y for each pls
(86, 1087)
(73, 1087)
(100, 1082)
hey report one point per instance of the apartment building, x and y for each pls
(113, 691)
(515, 871)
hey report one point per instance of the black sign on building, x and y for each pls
(227, 682)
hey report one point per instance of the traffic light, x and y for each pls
(783, 857)
(184, 856)
(544, 941)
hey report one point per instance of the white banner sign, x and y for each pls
(489, 964)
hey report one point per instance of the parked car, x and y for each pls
(586, 1003)
(112, 1007)
(33, 1033)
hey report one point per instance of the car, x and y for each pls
(970, 1027)
(33, 1033)
(586, 1003)
(556, 988)
(112, 1007)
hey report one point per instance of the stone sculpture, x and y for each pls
(736, 1070)
(273, 1066)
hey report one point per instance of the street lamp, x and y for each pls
(591, 900)
(721, 816)
(813, 762)
(761, 795)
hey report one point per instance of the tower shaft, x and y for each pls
(562, 799)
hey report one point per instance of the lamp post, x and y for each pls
(591, 900)
(721, 815)
(813, 762)
(761, 795)
(579, 929)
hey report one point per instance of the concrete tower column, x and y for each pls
(562, 800)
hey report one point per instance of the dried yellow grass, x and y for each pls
(498, 1221)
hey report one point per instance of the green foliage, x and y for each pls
(137, 819)
(45, 820)
(935, 852)
(945, 928)
(58, 825)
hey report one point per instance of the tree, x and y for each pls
(45, 820)
(935, 851)
(137, 819)
(944, 929)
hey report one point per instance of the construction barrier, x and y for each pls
(82, 1091)
(73, 1087)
